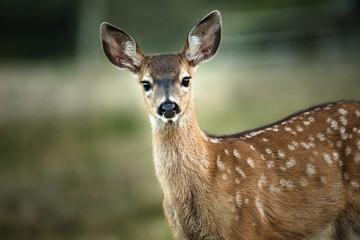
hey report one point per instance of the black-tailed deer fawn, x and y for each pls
(298, 178)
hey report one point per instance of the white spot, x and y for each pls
(287, 183)
(259, 206)
(355, 129)
(329, 131)
(310, 169)
(291, 147)
(334, 125)
(335, 156)
(228, 171)
(343, 133)
(237, 181)
(288, 129)
(281, 154)
(347, 151)
(275, 129)
(343, 120)
(252, 147)
(311, 119)
(214, 140)
(270, 164)
(311, 144)
(321, 137)
(274, 189)
(265, 139)
(247, 136)
(358, 145)
(342, 111)
(226, 151)
(339, 144)
(357, 113)
(306, 123)
(262, 157)
(303, 181)
(354, 184)
(238, 170)
(323, 179)
(282, 168)
(304, 145)
(224, 176)
(357, 158)
(315, 153)
(236, 154)
(268, 151)
(219, 163)
(251, 162)
(246, 201)
(306, 113)
(290, 163)
(238, 199)
(341, 163)
(262, 181)
(327, 158)
(299, 129)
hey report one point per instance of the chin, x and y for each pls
(160, 121)
(170, 120)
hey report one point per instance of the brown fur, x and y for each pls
(296, 179)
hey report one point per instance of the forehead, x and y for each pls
(164, 66)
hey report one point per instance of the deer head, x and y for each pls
(166, 79)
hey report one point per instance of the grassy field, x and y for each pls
(76, 160)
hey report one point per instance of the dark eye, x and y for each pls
(146, 85)
(185, 81)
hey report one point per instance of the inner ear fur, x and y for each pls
(204, 39)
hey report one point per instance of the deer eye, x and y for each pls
(146, 85)
(185, 81)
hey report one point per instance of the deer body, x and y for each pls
(295, 179)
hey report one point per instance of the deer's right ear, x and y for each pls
(120, 48)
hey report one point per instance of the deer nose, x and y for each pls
(168, 109)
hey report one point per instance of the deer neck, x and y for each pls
(179, 152)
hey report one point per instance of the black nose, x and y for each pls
(168, 109)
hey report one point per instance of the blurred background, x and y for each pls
(75, 143)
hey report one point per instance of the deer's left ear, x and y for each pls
(204, 39)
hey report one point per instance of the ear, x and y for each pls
(204, 39)
(120, 48)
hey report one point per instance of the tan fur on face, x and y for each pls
(168, 67)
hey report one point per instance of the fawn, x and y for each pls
(298, 178)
